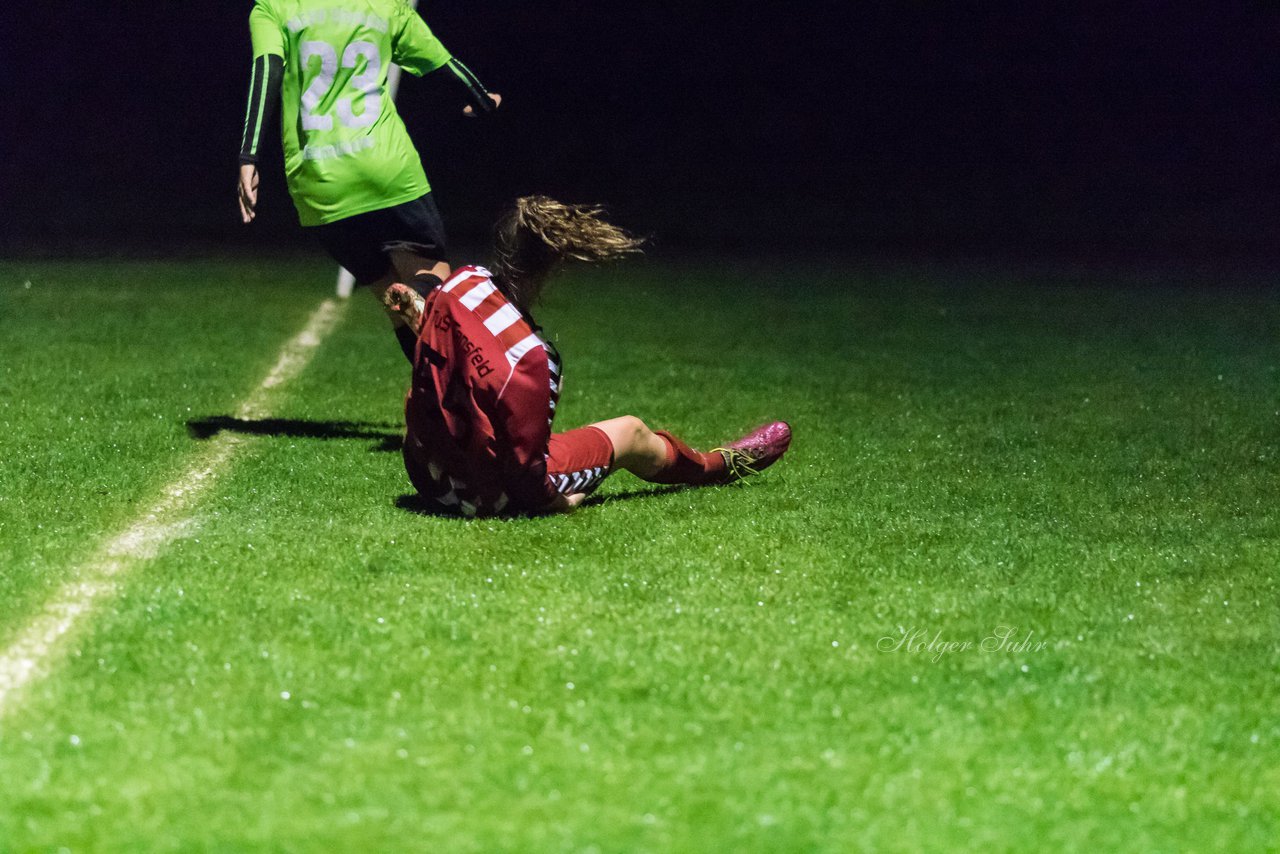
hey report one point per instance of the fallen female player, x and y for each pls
(486, 382)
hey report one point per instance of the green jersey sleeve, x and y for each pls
(265, 32)
(414, 47)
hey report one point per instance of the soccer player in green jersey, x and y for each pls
(354, 174)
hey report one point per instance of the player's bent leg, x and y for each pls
(660, 457)
(408, 265)
(636, 448)
(657, 456)
(410, 273)
(579, 460)
(373, 246)
(404, 301)
(400, 308)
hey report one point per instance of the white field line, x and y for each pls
(101, 576)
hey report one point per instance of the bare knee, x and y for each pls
(635, 447)
(635, 429)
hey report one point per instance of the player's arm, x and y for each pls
(264, 98)
(482, 100)
(523, 432)
(417, 50)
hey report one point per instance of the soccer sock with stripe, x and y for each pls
(408, 340)
(685, 465)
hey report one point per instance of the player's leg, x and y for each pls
(636, 448)
(579, 460)
(369, 245)
(374, 246)
(412, 239)
(660, 457)
(657, 456)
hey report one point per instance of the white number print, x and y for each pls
(320, 86)
(365, 83)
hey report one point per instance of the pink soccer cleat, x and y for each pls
(755, 452)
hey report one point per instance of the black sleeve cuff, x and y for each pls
(476, 93)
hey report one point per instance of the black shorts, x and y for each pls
(359, 242)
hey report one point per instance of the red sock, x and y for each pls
(685, 465)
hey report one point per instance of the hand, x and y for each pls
(565, 503)
(470, 112)
(248, 191)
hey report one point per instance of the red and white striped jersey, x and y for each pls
(479, 413)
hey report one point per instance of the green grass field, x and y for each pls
(800, 663)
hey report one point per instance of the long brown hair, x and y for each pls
(537, 234)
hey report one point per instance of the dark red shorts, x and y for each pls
(579, 460)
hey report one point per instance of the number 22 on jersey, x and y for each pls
(365, 85)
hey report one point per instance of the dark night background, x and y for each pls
(907, 129)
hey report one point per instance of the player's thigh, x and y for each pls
(413, 238)
(360, 243)
(579, 460)
(418, 223)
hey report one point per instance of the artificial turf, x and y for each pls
(1089, 460)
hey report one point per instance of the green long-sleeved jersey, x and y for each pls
(346, 150)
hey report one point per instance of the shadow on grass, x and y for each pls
(414, 503)
(633, 495)
(206, 428)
